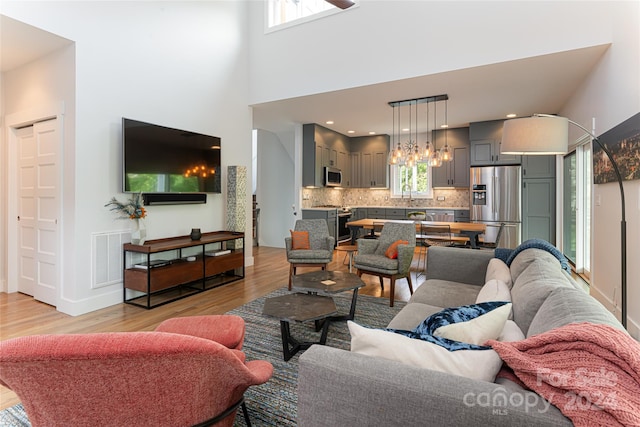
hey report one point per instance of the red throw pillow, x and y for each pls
(300, 240)
(392, 250)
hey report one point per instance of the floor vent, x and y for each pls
(107, 258)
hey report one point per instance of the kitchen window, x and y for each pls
(412, 182)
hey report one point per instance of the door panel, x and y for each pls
(38, 186)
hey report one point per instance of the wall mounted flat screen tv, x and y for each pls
(159, 159)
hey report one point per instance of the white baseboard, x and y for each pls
(632, 327)
(78, 307)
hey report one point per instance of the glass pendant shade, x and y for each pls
(446, 154)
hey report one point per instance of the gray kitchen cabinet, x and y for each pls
(355, 163)
(362, 160)
(374, 169)
(456, 172)
(538, 167)
(486, 138)
(461, 215)
(358, 213)
(373, 153)
(395, 213)
(344, 164)
(538, 209)
(377, 213)
(320, 148)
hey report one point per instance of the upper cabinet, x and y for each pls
(486, 138)
(322, 147)
(456, 172)
(362, 160)
(373, 152)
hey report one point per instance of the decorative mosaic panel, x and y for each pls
(236, 201)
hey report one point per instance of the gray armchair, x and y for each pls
(321, 246)
(371, 257)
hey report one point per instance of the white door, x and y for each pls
(37, 198)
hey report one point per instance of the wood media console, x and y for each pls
(165, 270)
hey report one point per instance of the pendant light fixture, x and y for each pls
(409, 152)
(445, 152)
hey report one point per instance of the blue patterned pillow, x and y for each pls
(425, 330)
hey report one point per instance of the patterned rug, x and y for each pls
(275, 403)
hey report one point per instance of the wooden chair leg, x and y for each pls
(392, 291)
(292, 271)
(410, 284)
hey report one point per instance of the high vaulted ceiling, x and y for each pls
(525, 86)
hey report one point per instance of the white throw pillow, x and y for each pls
(479, 330)
(497, 269)
(494, 290)
(481, 365)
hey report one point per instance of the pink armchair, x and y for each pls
(130, 378)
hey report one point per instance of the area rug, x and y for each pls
(275, 403)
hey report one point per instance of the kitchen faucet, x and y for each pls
(404, 188)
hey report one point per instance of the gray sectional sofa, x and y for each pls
(342, 388)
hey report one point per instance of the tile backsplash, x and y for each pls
(380, 197)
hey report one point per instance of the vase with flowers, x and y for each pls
(132, 209)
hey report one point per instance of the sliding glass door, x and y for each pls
(577, 185)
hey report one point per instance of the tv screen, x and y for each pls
(158, 159)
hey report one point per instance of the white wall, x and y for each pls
(611, 95)
(275, 191)
(179, 64)
(386, 40)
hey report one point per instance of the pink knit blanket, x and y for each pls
(590, 372)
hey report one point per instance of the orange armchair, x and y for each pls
(128, 378)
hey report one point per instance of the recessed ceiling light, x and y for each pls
(511, 116)
(405, 130)
(351, 131)
(329, 122)
(372, 133)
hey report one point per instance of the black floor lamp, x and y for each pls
(547, 134)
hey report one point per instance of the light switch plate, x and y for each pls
(441, 198)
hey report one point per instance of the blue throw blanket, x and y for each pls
(508, 255)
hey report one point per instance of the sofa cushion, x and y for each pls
(534, 284)
(494, 290)
(478, 330)
(511, 332)
(426, 330)
(568, 305)
(477, 364)
(412, 315)
(445, 293)
(497, 269)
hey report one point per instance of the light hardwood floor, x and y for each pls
(21, 315)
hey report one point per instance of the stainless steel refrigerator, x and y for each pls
(496, 198)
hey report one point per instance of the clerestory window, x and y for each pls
(282, 13)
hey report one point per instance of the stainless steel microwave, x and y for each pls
(332, 177)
